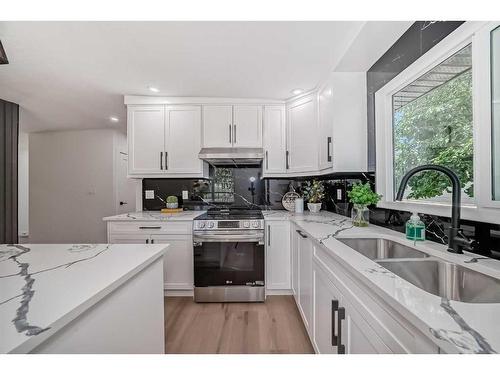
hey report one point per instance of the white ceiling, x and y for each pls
(73, 75)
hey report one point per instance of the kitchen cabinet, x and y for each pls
(146, 137)
(157, 141)
(302, 134)
(305, 287)
(274, 140)
(277, 255)
(217, 126)
(232, 126)
(178, 258)
(326, 114)
(295, 240)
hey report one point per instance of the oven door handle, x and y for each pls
(229, 238)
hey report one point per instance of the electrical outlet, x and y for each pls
(339, 194)
(185, 195)
(150, 194)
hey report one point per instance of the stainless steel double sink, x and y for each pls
(436, 276)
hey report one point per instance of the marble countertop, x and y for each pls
(44, 287)
(456, 327)
(155, 216)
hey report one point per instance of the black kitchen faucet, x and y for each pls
(456, 240)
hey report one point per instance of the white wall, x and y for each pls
(23, 185)
(71, 185)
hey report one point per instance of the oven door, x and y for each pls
(228, 259)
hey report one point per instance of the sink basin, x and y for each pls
(447, 280)
(379, 248)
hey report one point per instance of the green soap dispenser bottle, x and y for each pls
(415, 228)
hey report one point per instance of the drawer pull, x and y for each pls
(148, 227)
(301, 234)
(340, 317)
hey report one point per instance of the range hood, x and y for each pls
(231, 155)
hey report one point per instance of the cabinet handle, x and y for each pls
(268, 235)
(230, 137)
(166, 160)
(152, 240)
(161, 160)
(340, 317)
(301, 234)
(267, 161)
(147, 240)
(234, 134)
(150, 227)
(335, 308)
(286, 158)
(328, 144)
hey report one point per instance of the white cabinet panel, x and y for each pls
(217, 126)
(278, 255)
(247, 126)
(183, 139)
(274, 140)
(294, 238)
(129, 238)
(178, 261)
(305, 280)
(302, 135)
(146, 134)
(326, 118)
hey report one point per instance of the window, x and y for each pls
(444, 109)
(495, 112)
(432, 124)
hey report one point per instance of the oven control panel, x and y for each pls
(228, 224)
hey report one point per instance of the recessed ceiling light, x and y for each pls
(297, 91)
(153, 89)
(114, 119)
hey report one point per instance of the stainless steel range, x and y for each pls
(229, 256)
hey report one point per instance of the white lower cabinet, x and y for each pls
(277, 255)
(305, 287)
(178, 258)
(294, 239)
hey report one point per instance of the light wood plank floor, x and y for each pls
(271, 327)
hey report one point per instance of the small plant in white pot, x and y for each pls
(314, 192)
(172, 201)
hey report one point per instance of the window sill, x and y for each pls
(468, 212)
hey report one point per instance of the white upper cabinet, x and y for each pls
(274, 140)
(183, 139)
(217, 126)
(247, 126)
(326, 121)
(302, 137)
(164, 141)
(232, 126)
(146, 135)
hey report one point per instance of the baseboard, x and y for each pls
(279, 292)
(178, 293)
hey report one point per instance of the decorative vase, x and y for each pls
(314, 207)
(172, 205)
(360, 215)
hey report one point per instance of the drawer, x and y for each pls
(151, 227)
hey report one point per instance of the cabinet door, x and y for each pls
(325, 109)
(326, 303)
(129, 238)
(274, 140)
(247, 126)
(302, 135)
(305, 280)
(178, 261)
(217, 126)
(183, 139)
(278, 255)
(146, 135)
(294, 238)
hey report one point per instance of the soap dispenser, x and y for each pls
(415, 228)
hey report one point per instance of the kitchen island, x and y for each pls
(81, 298)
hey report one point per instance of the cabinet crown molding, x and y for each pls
(165, 100)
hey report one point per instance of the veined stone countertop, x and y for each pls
(45, 287)
(456, 327)
(155, 216)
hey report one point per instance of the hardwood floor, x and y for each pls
(239, 328)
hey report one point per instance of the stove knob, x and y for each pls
(255, 224)
(210, 224)
(201, 224)
(246, 224)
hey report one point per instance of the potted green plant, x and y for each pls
(361, 196)
(172, 201)
(314, 192)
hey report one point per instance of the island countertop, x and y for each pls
(44, 287)
(155, 216)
